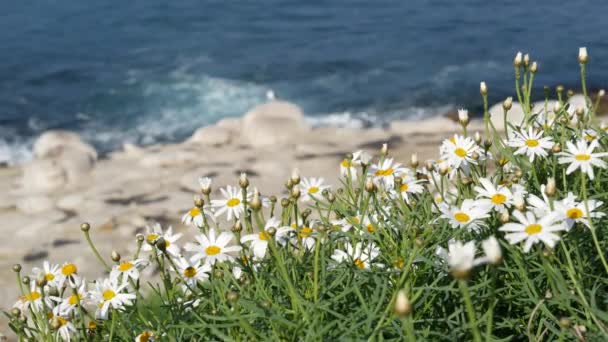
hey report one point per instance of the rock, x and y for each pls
(34, 204)
(43, 175)
(272, 124)
(211, 136)
(169, 158)
(515, 115)
(132, 151)
(433, 125)
(51, 143)
(231, 124)
(76, 165)
(71, 202)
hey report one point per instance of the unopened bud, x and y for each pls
(487, 143)
(384, 150)
(601, 93)
(198, 202)
(237, 227)
(403, 307)
(414, 160)
(25, 280)
(483, 89)
(289, 184)
(580, 111)
(582, 55)
(533, 67)
(475, 156)
(518, 59)
(256, 202)
(507, 103)
(41, 280)
(570, 93)
(85, 227)
(559, 88)
(429, 165)
(140, 237)
(16, 268)
(526, 60)
(519, 203)
(243, 180)
(284, 202)
(504, 216)
(557, 107)
(557, 148)
(477, 138)
(369, 185)
(565, 322)
(115, 256)
(550, 188)
(443, 169)
(295, 176)
(271, 231)
(463, 117)
(161, 244)
(295, 192)
(466, 180)
(232, 296)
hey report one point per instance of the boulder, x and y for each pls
(34, 204)
(272, 124)
(515, 115)
(42, 175)
(211, 136)
(51, 144)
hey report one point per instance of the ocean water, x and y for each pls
(146, 71)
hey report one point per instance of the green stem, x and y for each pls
(591, 227)
(103, 262)
(466, 296)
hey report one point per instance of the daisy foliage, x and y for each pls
(503, 236)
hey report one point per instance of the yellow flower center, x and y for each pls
(190, 272)
(313, 189)
(30, 297)
(233, 202)
(461, 152)
(346, 163)
(574, 213)
(49, 276)
(370, 228)
(461, 217)
(305, 232)
(499, 199)
(452, 140)
(108, 294)
(92, 325)
(151, 238)
(264, 236)
(355, 220)
(125, 266)
(360, 264)
(145, 336)
(582, 157)
(68, 270)
(404, 187)
(212, 250)
(62, 321)
(74, 299)
(194, 212)
(531, 142)
(533, 229)
(385, 172)
(399, 263)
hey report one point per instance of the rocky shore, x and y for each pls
(45, 201)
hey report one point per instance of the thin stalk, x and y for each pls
(95, 251)
(466, 296)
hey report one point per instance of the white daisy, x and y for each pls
(109, 294)
(50, 271)
(32, 299)
(68, 305)
(385, 172)
(581, 156)
(458, 151)
(259, 241)
(156, 232)
(459, 257)
(68, 275)
(66, 328)
(409, 186)
(573, 211)
(492, 250)
(192, 272)
(532, 230)
(205, 183)
(348, 168)
(590, 134)
(128, 269)
(468, 215)
(212, 249)
(360, 256)
(312, 188)
(195, 215)
(532, 144)
(297, 234)
(232, 204)
(146, 336)
(498, 197)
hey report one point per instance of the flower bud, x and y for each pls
(534, 67)
(271, 231)
(504, 217)
(518, 59)
(403, 308)
(475, 156)
(284, 202)
(289, 184)
(443, 169)
(492, 250)
(15, 312)
(557, 107)
(237, 227)
(477, 138)
(140, 237)
(601, 93)
(232, 296)
(519, 203)
(295, 176)
(243, 180)
(483, 89)
(414, 160)
(580, 111)
(161, 244)
(384, 150)
(526, 60)
(115, 256)
(198, 202)
(565, 322)
(507, 103)
(557, 148)
(295, 192)
(255, 203)
(463, 117)
(16, 268)
(550, 188)
(25, 280)
(582, 55)
(205, 183)
(41, 280)
(85, 227)
(570, 93)
(369, 185)
(487, 144)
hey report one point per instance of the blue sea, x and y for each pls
(148, 71)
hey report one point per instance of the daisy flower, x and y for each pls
(384, 172)
(492, 251)
(581, 156)
(212, 248)
(312, 188)
(531, 143)
(205, 183)
(532, 230)
(297, 233)
(68, 274)
(410, 186)
(348, 168)
(67, 306)
(497, 197)
(128, 269)
(467, 215)
(573, 211)
(156, 232)
(590, 134)
(195, 215)
(146, 336)
(259, 241)
(460, 258)
(360, 256)
(50, 271)
(109, 294)
(458, 151)
(192, 272)
(32, 299)
(232, 203)
(66, 328)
